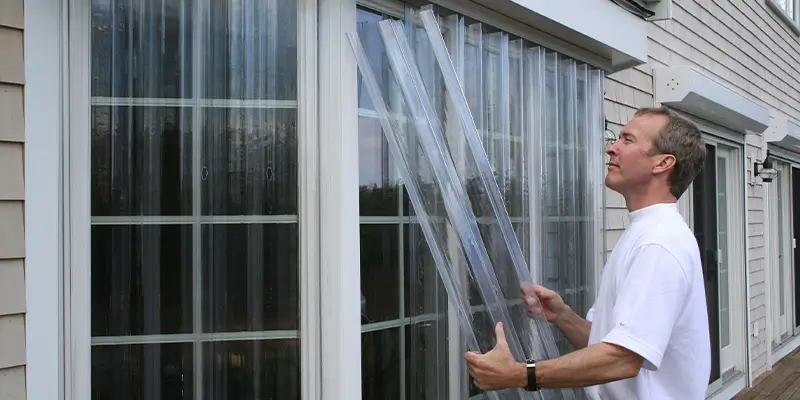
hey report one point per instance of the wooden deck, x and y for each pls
(783, 382)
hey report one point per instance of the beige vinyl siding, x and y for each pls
(12, 195)
(744, 45)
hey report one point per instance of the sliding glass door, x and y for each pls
(718, 225)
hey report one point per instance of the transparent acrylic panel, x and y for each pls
(454, 180)
(418, 178)
(499, 145)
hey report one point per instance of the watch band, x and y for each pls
(531, 368)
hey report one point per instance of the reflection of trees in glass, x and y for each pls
(141, 159)
(250, 162)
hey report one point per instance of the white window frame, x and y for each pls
(790, 17)
(44, 124)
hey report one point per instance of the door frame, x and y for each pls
(775, 354)
(728, 354)
(718, 136)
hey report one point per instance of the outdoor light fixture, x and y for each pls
(609, 137)
(766, 172)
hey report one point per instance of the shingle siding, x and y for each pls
(745, 46)
(12, 196)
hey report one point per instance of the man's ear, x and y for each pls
(665, 162)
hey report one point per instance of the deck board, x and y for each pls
(782, 383)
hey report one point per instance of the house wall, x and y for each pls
(744, 45)
(12, 194)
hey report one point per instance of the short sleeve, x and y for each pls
(650, 299)
(590, 314)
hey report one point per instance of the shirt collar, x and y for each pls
(653, 211)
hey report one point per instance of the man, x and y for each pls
(647, 335)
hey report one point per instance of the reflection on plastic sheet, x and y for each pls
(457, 194)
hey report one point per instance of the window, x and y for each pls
(788, 11)
(540, 116)
(788, 6)
(194, 181)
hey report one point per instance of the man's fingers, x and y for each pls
(472, 357)
(500, 334)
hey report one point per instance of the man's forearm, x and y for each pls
(575, 328)
(594, 365)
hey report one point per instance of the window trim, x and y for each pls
(340, 266)
(792, 21)
(44, 90)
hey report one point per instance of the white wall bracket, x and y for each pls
(686, 89)
(784, 132)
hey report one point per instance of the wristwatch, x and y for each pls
(531, 367)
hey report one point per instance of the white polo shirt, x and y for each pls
(652, 301)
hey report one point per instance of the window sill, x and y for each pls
(785, 17)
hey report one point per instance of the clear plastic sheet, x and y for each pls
(442, 157)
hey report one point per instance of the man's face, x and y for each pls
(630, 164)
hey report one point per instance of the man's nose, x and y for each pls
(612, 149)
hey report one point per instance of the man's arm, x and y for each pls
(597, 364)
(648, 305)
(593, 365)
(541, 301)
(574, 327)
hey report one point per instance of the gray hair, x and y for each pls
(681, 138)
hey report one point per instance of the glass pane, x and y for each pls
(142, 48)
(141, 280)
(250, 277)
(141, 161)
(380, 364)
(380, 190)
(722, 224)
(427, 366)
(380, 272)
(425, 297)
(249, 161)
(781, 258)
(263, 369)
(143, 372)
(250, 50)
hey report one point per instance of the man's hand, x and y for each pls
(497, 369)
(550, 304)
